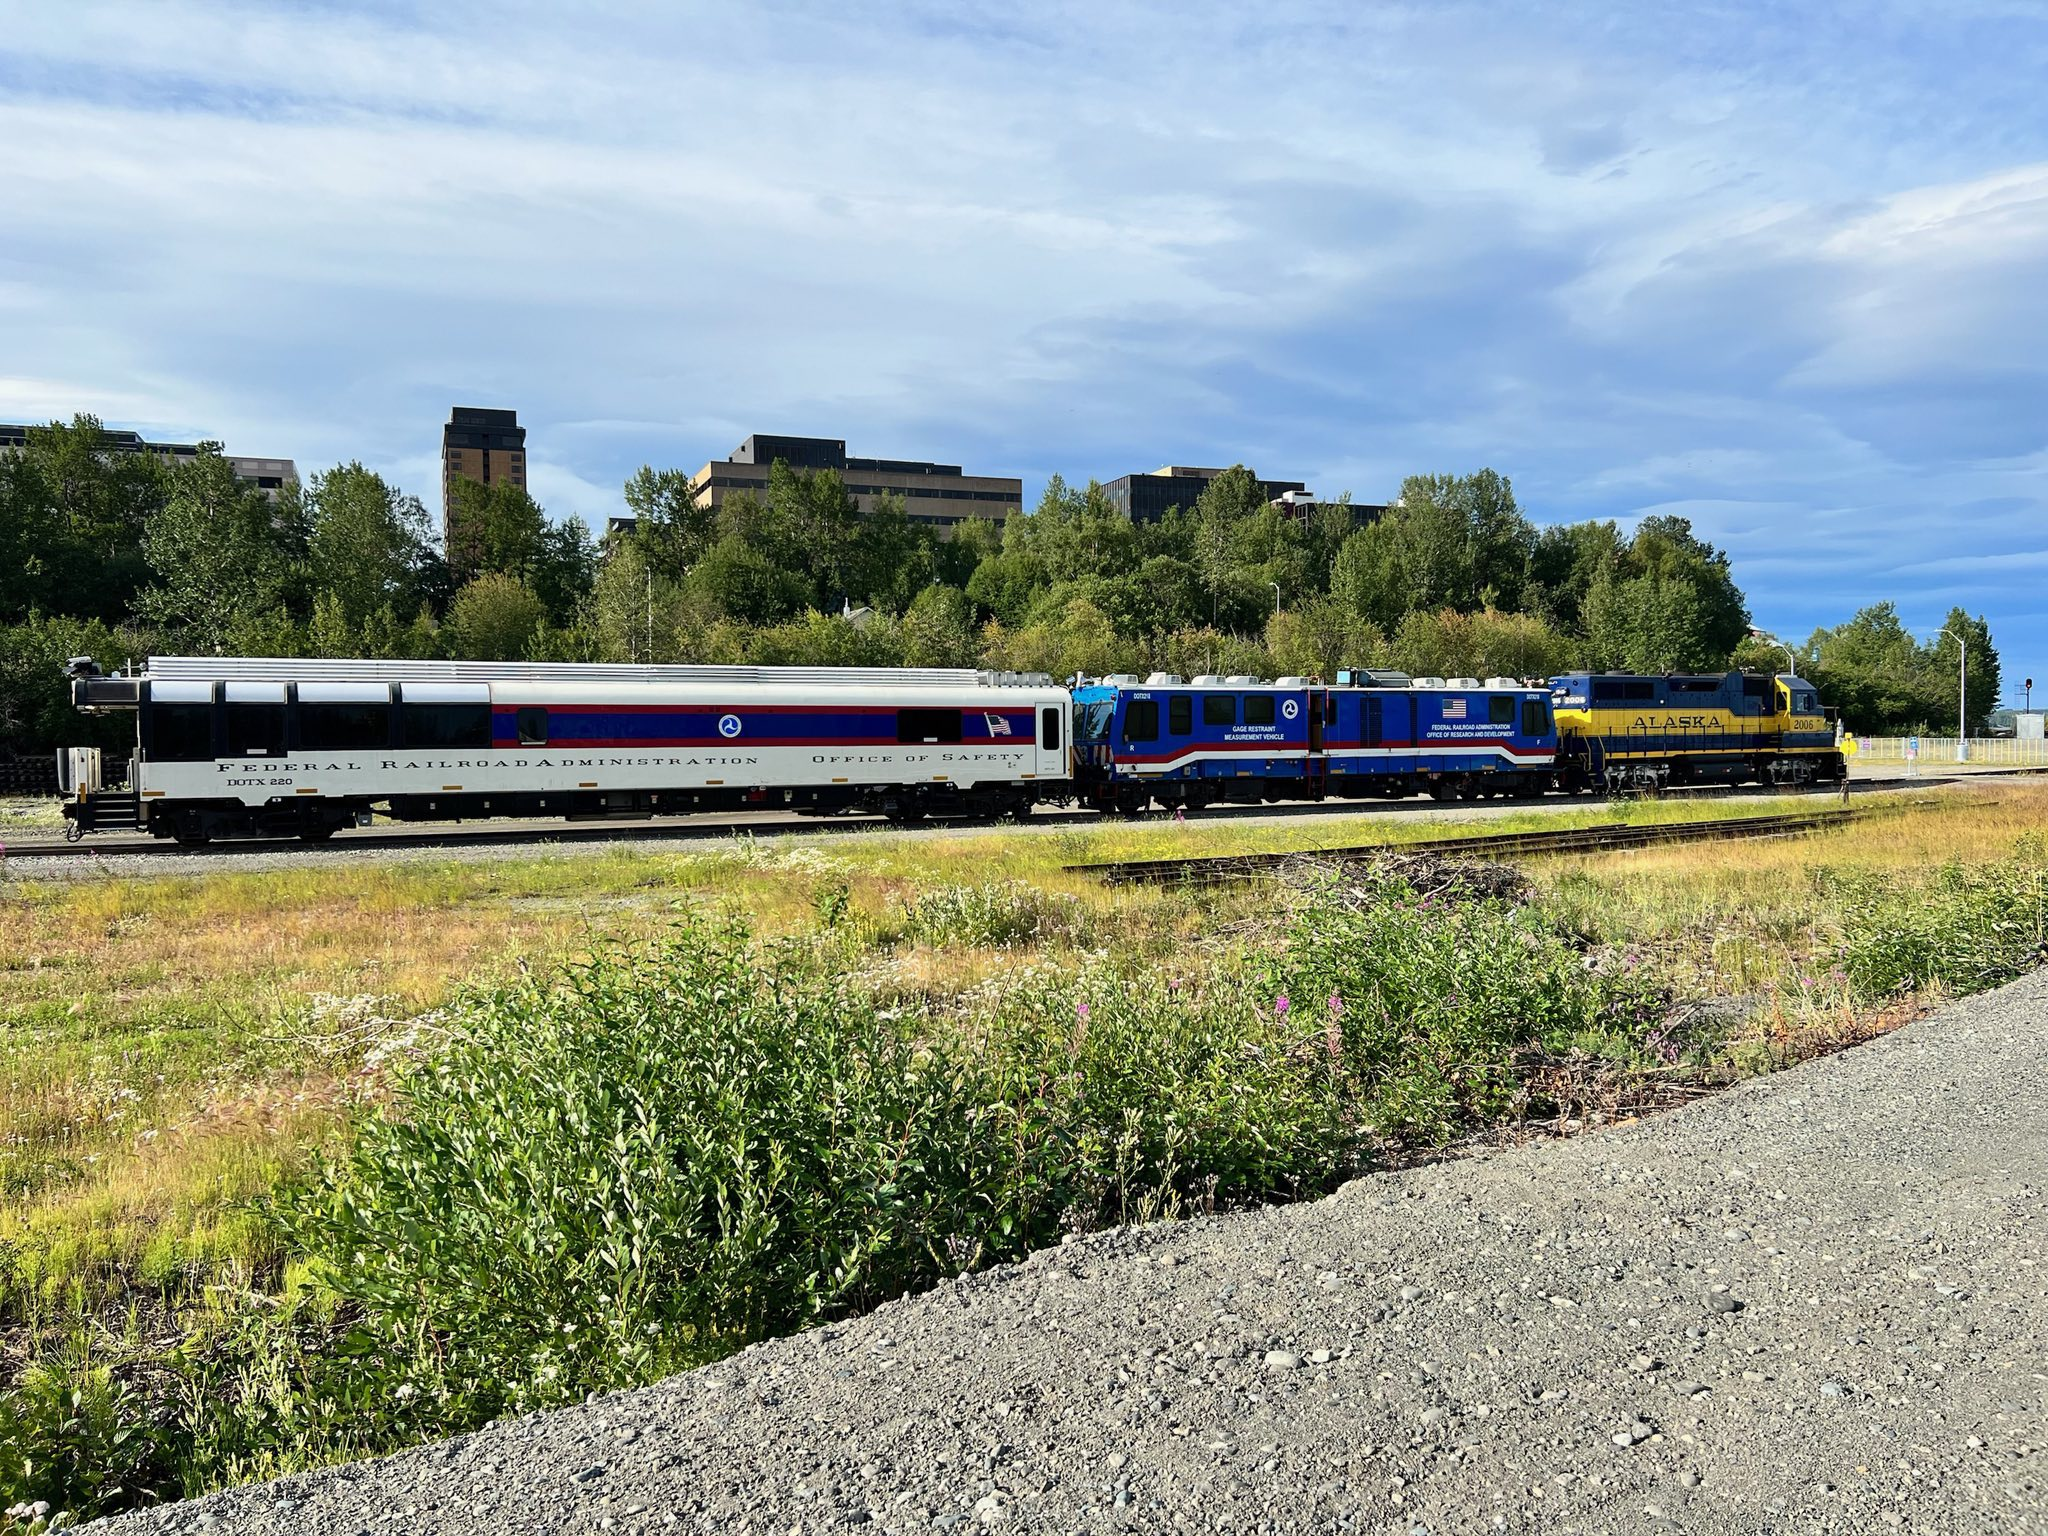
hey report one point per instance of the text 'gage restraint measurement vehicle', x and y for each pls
(1190, 744)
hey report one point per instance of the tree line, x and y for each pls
(115, 554)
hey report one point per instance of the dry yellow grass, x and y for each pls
(167, 1046)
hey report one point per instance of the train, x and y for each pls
(255, 747)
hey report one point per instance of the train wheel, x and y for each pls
(192, 831)
(318, 834)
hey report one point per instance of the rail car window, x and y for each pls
(445, 725)
(1805, 703)
(1180, 715)
(1624, 690)
(1535, 717)
(1141, 720)
(1049, 730)
(1219, 709)
(325, 727)
(1375, 721)
(935, 727)
(532, 722)
(181, 733)
(1258, 709)
(1092, 724)
(255, 730)
(1500, 709)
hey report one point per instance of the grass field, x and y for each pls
(173, 1048)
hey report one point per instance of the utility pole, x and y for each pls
(1276, 595)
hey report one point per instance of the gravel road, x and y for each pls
(1814, 1303)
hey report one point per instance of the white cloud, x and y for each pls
(1784, 277)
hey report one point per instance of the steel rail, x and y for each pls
(1204, 871)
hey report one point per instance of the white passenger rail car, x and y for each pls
(277, 748)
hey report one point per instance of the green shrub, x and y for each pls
(1005, 915)
(1425, 1001)
(75, 1438)
(1968, 929)
(655, 1158)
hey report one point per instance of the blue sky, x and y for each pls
(1781, 269)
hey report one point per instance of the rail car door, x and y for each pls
(1318, 766)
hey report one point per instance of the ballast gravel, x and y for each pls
(1811, 1304)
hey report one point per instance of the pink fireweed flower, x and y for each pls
(1081, 1012)
(1336, 1006)
(1280, 1006)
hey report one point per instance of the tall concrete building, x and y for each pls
(486, 446)
(268, 475)
(936, 494)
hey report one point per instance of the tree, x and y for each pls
(366, 542)
(743, 582)
(938, 629)
(500, 528)
(1320, 636)
(1665, 602)
(494, 618)
(1873, 672)
(1982, 672)
(671, 521)
(219, 558)
(72, 511)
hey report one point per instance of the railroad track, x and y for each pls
(1498, 845)
(426, 837)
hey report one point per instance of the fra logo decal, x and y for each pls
(728, 726)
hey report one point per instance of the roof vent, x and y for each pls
(1163, 680)
(1502, 682)
(1122, 680)
(1209, 680)
(1428, 682)
(1464, 682)
(1290, 682)
(1240, 681)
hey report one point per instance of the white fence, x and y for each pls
(1985, 751)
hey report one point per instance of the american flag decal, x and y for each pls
(1454, 709)
(997, 725)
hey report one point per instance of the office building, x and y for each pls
(268, 475)
(486, 446)
(1146, 498)
(940, 495)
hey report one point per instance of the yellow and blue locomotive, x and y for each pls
(1618, 731)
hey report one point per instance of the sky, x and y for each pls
(1781, 269)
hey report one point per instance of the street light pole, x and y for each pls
(1276, 595)
(1962, 697)
(1791, 665)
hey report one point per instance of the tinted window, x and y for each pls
(181, 733)
(1756, 687)
(1500, 709)
(1375, 721)
(1642, 691)
(1219, 709)
(1180, 715)
(446, 725)
(1258, 709)
(1092, 724)
(1535, 718)
(1141, 720)
(533, 726)
(928, 726)
(255, 730)
(1608, 693)
(344, 727)
(1049, 729)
